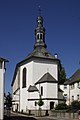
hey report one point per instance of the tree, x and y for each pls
(75, 106)
(62, 76)
(40, 103)
(8, 102)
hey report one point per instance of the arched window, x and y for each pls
(37, 36)
(24, 78)
(41, 91)
(41, 37)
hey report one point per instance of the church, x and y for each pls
(37, 75)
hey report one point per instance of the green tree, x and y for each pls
(75, 106)
(62, 76)
(8, 102)
(40, 103)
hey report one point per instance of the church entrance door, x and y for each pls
(51, 105)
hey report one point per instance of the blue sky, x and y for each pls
(17, 38)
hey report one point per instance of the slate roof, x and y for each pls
(47, 78)
(74, 78)
(67, 82)
(37, 53)
(40, 52)
(32, 88)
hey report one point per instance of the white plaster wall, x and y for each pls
(52, 90)
(23, 91)
(16, 97)
(31, 105)
(29, 67)
(46, 105)
(42, 67)
(1, 93)
(23, 99)
(74, 92)
(33, 95)
(49, 91)
(35, 70)
(16, 84)
(62, 87)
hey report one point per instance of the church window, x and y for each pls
(19, 78)
(65, 86)
(41, 90)
(41, 36)
(37, 36)
(24, 78)
(72, 98)
(77, 97)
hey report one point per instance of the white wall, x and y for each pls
(16, 84)
(42, 67)
(31, 104)
(29, 81)
(1, 93)
(52, 90)
(74, 92)
(16, 99)
(23, 99)
(71, 92)
(35, 70)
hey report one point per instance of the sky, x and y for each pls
(17, 36)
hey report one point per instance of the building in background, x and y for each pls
(37, 75)
(2, 78)
(71, 88)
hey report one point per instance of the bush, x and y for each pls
(61, 106)
(75, 106)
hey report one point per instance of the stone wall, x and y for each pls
(62, 114)
(58, 114)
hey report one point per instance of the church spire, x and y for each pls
(40, 32)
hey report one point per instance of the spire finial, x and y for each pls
(39, 10)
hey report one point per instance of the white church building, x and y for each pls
(36, 75)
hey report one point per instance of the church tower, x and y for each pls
(40, 33)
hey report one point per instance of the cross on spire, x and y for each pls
(39, 10)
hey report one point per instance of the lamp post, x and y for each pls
(2, 74)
